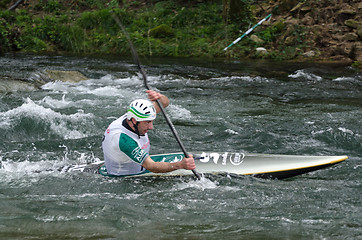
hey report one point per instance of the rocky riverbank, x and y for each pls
(332, 28)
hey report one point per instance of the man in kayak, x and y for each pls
(126, 145)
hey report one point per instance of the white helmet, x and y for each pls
(141, 110)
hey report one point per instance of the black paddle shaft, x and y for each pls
(138, 63)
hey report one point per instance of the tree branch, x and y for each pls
(15, 5)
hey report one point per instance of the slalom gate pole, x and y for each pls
(247, 32)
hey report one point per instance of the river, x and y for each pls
(244, 106)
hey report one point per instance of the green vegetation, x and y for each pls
(159, 28)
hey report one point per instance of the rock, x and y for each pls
(289, 41)
(349, 48)
(344, 14)
(351, 23)
(345, 49)
(279, 26)
(261, 50)
(338, 36)
(287, 5)
(353, 51)
(336, 51)
(340, 58)
(305, 9)
(359, 56)
(308, 20)
(8, 85)
(309, 54)
(40, 78)
(297, 7)
(256, 39)
(348, 11)
(292, 21)
(65, 76)
(350, 37)
(359, 31)
(331, 27)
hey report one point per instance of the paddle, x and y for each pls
(138, 63)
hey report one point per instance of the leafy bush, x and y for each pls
(162, 28)
(33, 44)
(4, 36)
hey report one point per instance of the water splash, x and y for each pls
(60, 124)
(179, 112)
(303, 74)
(232, 132)
(68, 162)
(202, 184)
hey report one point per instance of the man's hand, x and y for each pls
(188, 163)
(153, 96)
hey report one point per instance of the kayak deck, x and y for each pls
(258, 165)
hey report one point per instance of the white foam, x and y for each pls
(106, 86)
(179, 112)
(201, 184)
(106, 91)
(230, 131)
(130, 81)
(55, 103)
(316, 132)
(305, 75)
(79, 89)
(56, 120)
(344, 79)
(256, 79)
(68, 161)
(315, 221)
(55, 86)
(26, 166)
(48, 218)
(345, 130)
(107, 78)
(331, 130)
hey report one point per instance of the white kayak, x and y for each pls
(236, 164)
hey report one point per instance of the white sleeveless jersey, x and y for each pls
(124, 152)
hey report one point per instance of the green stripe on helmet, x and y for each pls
(137, 113)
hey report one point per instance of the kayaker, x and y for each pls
(126, 145)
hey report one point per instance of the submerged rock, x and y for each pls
(9, 84)
(46, 76)
(64, 76)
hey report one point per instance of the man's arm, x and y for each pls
(163, 167)
(153, 96)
